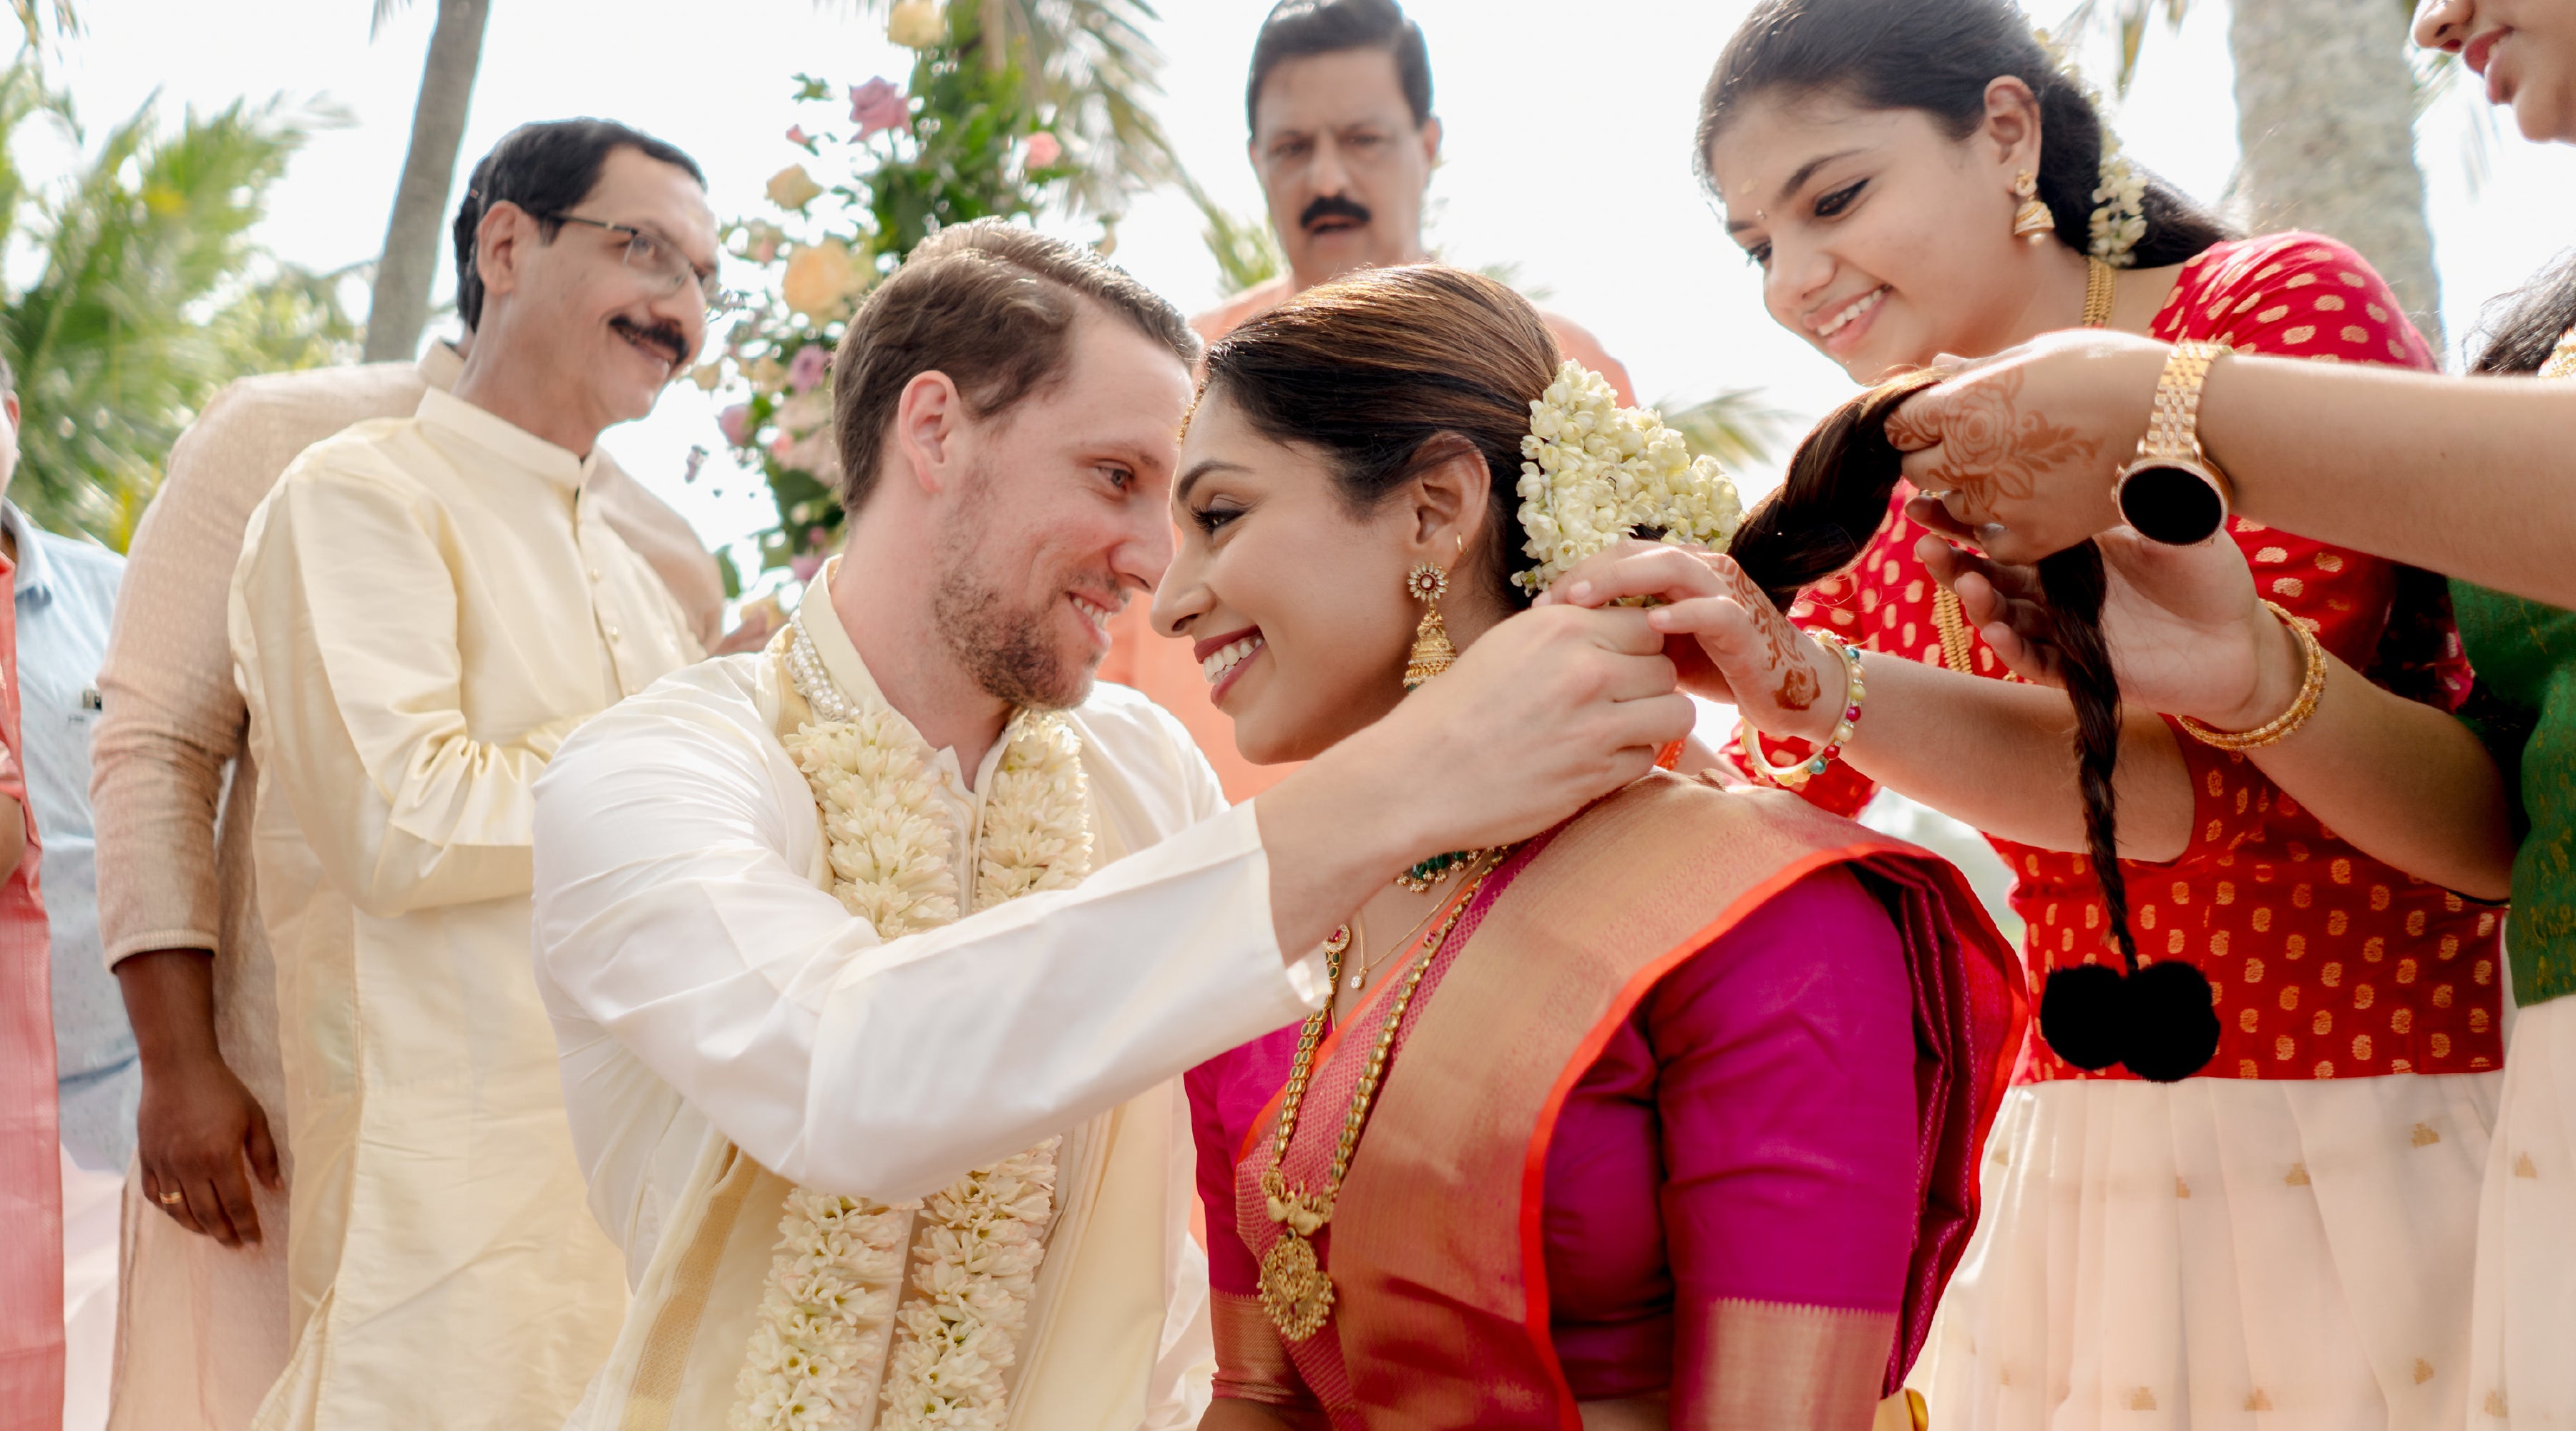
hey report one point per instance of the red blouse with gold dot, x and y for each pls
(2326, 963)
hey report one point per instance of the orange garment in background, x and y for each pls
(31, 1167)
(1163, 668)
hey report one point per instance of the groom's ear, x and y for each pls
(929, 421)
(1450, 492)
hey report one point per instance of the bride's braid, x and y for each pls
(1819, 522)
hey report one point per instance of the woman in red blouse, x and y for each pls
(2289, 1232)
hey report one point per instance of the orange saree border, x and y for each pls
(1438, 1241)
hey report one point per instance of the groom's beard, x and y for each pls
(1004, 646)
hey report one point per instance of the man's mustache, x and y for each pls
(1333, 206)
(665, 335)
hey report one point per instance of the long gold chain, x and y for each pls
(2098, 290)
(1951, 620)
(1295, 1290)
(1948, 617)
(2561, 362)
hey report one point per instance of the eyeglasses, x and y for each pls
(663, 266)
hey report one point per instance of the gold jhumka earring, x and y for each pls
(2033, 223)
(1432, 653)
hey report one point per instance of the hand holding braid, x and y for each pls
(1823, 517)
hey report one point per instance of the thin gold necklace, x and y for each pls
(1295, 1290)
(1360, 941)
(1949, 618)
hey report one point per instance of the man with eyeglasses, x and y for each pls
(1344, 141)
(424, 609)
(203, 1274)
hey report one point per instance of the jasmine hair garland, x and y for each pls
(2119, 219)
(831, 1349)
(1594, 472)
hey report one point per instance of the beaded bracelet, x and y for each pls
(2311, 686)
(1797, 773)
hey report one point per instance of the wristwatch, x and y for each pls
(2173, 493)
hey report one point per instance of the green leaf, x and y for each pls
(149, 294)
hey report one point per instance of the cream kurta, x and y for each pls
(425, 608)
(709, 994)
(203, 1327)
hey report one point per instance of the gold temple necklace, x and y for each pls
(1295, 1290)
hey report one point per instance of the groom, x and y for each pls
(1056, 913)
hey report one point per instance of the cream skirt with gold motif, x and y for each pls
(2221, 1255)
(2522, 1356)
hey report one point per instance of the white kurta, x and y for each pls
(706, 988)
(424, 608)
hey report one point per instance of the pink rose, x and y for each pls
(796, 135)
(878, 106)
(806, 368)
(735, 423)
(1041, 151)
(782, 447)
(804, 567)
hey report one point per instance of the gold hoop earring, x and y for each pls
(1432, 653)
(2032, 223)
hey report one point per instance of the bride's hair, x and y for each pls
(1391, 371)
(1938, 56)
(1825, 513)
(2158, 1021)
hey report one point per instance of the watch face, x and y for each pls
(2171, 504)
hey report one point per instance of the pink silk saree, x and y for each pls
(1501, 1121)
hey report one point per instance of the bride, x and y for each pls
(1669, 1116)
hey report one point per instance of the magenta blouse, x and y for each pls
(1748, 1133)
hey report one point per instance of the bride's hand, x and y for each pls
(1737, 647)
(2186, 632)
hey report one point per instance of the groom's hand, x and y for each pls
(1550, 710)
(1547, 712)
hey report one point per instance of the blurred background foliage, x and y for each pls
(143, 292)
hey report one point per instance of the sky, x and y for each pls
(1568, 154)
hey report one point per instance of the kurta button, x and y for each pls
(612, 633)
(594, 573)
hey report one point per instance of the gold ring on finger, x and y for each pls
(170, 1199)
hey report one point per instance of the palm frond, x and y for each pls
(138, 312)
(1091, 68)
(1246, 251)
(31, 18)
(2128, 21)
(1736, 427)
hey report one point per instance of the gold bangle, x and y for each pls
(2311, 686)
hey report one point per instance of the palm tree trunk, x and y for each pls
(400, 306)
(2325, 118)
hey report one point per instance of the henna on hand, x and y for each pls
(1797, 687)
(1992, 450)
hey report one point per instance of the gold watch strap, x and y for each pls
(2173, 427)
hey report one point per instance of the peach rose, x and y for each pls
(792, 187)
(819, 279)
(917, 24)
